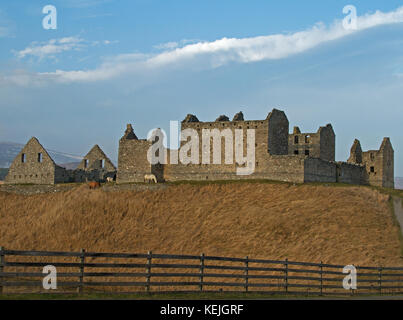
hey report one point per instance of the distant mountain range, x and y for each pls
(9, 150)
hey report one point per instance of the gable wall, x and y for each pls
(32, 171)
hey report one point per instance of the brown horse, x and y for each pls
(94, 185)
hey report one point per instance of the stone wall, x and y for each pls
(351, 173)
(275, 157)
(271, 137)
(355, 153)
(62, 175)
(373, 162)
(132, 161)
(278, 133)
(321, 144)
(388, 158)
(380, 165)
(303, 144)
(327, 143)
(95, 166)
(274, 149)
(282, 168)
(318, 170)
(32, 165)
(96, 159)
(261, 135)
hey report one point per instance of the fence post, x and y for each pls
(148, 277)
(201, 271)
(286, 275)
(321, 278)
(380, 280)
(2, 260)
(246, 273)
(81, 278)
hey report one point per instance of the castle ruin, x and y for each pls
(279, 155)
(296, 157)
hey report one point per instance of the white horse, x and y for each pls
(150, 178)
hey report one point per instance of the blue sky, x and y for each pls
(145, 62)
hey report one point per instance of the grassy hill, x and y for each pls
(346, 225)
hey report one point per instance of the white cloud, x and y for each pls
(223, 51)
(51, 48)
(173, 44)
(276, 46)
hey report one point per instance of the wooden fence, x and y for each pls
(22, 271)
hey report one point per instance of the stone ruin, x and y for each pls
(34, 165)
(293, 157)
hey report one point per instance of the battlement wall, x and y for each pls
(318, 170)
(351, 173)
(284, 168)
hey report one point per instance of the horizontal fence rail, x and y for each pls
(23, 272)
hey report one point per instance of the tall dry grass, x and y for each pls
(342, 225)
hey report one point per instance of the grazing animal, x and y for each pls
(109, 179)
(150, 178)
(94, 185)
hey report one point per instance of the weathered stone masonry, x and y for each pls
(279, 155)
(296, 157)
(34, 165)
(95, 166)
(378, 165)
(321, 144)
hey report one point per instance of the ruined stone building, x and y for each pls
(96, 166)
(321, 144)
(34, 165)
(378, 165)
(279, 155)
(296, 157)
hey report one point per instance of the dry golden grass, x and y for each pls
(346, 225)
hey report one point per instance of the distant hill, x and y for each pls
(3, 173)
(399, 183)
(70, 165)
(9, 150)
